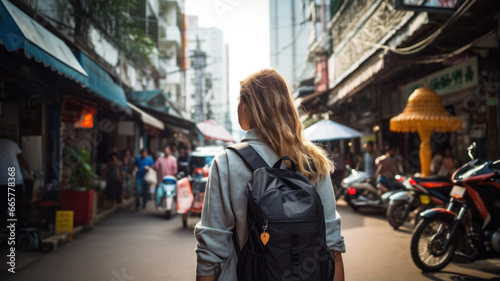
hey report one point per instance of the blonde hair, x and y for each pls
(276, 120)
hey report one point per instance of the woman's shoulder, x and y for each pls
(221, 158)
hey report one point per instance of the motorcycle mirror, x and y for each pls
(471, 150)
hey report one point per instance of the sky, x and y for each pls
(246, 30)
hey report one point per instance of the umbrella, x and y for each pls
(213, 131)
(328, 130)
(425, 114)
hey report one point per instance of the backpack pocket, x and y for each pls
(251, 265)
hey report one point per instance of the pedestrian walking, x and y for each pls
(166, 165)
(128, 166)
(443, 164)
(142, 164)
(369, 159)
(11, 161)
(267, 112)
(183, 161)
(387, 168)
(174, 151)
(115, 179)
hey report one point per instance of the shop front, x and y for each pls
(467, 94)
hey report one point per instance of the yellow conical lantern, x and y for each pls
(425, 114)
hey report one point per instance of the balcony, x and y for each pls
(173, 34)
(166, 4)
(170, 36)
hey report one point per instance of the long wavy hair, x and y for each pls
(276, 120)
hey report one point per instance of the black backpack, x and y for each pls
(286, 225)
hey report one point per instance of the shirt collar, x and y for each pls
(250, 135)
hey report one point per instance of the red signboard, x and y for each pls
(86, 120)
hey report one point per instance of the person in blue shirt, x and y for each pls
(141, 164)
(370, 156)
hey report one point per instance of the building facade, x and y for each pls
(294, 26)
(68, 76)
(207, 77)
(380, 51)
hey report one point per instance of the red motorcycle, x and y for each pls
(425, 193)
(471, 233)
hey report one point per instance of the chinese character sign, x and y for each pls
(457, 77)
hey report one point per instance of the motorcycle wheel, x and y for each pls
(396, 213)
(427, 244)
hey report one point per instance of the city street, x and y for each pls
(145, 246)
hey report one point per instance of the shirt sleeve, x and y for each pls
(333, 221)
(214, 231)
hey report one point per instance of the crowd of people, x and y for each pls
(127, 175)
(382, 168)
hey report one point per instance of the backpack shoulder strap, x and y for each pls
(249, 155)
(254, 161)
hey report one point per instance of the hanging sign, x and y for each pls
(86, 120)
(451, 79)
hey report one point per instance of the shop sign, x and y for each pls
(64, 222)
(448, 80)
(86, 120)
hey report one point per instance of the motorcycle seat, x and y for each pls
(434, 181)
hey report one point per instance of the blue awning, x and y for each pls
(144, 96)
(101, 83)
(19, 31)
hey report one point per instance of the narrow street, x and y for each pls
(145, 246)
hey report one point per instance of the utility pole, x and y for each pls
(199, 59)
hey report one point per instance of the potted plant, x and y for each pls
(80, 196)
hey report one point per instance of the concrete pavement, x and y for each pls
(145, 246)
(127, 246)
(377, 252)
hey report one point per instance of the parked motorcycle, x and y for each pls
(361, 191)
(471, 233)
(166, 196)
(424, 193)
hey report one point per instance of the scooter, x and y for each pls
(424, 193)
(360, 191)
(166, 196)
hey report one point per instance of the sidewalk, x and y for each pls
(54, 242)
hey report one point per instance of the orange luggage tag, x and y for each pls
(264, 236)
